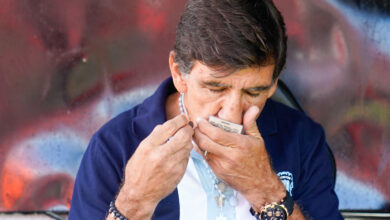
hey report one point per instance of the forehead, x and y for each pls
(254, 75)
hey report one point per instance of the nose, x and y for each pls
(232, 108)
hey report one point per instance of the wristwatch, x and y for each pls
(276, 211)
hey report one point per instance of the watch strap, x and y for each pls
(288, 203)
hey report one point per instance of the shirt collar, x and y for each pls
(152, 112)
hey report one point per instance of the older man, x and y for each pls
(178, 155)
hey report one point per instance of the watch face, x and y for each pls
(274, 213)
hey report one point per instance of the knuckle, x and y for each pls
(245, 145)
(243, 148)
(180, 134)
(246, 150)
(157, 129)
(215, 134)
(217, 168)
(148, 142)
(201, 142)
(181, 167)
(184, 135)
(233, 158)
(227, 165)
(156, 157)
(182, 118)
(175, 168)
(144, 145)
(165, 153)
(187, 137)
(189, 147)
(176, 171)
(170, 127)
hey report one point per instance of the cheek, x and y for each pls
(202, 95)
(202, 103)
(259, 102)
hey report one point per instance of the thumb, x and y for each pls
(249, 121)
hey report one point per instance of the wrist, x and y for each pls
(132, 206)
(277, 210)
(271, 192)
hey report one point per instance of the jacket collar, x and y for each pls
(152, 111)
(266, 122)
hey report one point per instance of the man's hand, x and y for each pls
(156, 168)
(241, 161)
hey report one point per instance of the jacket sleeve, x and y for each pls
(98, 179)
(315, 191)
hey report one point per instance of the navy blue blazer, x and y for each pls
(295, 144)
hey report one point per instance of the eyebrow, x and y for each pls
(215, 84)
(259, 88)
(253, 89)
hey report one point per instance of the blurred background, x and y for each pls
(67, 67)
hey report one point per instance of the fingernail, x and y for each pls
(191, 124)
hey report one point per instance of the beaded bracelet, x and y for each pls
(115, 213)
(255, 214)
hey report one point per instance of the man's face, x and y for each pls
(227, 96)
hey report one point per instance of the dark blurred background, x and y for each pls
(66, 67)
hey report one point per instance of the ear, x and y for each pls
(272, 90)
(178, 78)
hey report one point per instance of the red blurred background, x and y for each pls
(66, 67)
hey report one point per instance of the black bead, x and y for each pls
(117, 214)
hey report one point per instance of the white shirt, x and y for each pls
(193, 198)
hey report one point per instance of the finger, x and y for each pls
(180, 140)
(183, 154)
(198, 150)
(249, 121)
(206, 144)
(218, 135)
(196, 147)
(180, 164)
(161, 133)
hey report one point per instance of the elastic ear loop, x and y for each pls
(184, 110)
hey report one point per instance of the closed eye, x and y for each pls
(251, 94)
(217, 90)
(256, 91)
